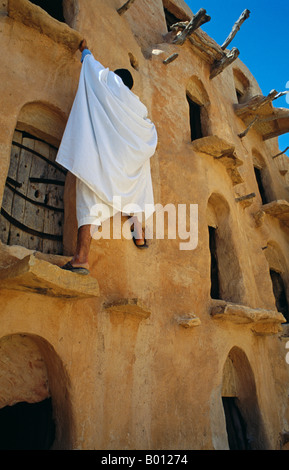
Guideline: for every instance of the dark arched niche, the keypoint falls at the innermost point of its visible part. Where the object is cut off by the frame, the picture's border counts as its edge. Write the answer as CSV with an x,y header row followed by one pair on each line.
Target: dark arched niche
x,y
245,428
34,391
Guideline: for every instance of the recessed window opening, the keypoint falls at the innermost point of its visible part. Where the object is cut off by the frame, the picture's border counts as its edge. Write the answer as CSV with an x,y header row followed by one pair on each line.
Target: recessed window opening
x,y
174,14
239,95
199,105
235,425
242,86
215,281
32,212
195,114
27,426
280,293
52,7
171,19
226,277
133,61
259,179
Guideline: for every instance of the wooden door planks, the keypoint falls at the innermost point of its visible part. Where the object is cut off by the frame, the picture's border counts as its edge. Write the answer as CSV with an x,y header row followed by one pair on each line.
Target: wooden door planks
x,y
33,197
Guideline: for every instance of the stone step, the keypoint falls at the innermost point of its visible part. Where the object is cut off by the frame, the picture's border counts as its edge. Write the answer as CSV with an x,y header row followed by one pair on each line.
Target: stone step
x,y
34,275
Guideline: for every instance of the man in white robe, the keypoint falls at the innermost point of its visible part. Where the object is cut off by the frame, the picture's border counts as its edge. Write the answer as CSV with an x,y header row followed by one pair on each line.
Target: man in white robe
x,y
107,144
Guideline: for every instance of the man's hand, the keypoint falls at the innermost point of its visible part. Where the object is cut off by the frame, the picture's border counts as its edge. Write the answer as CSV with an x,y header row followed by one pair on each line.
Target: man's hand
x,y
83,45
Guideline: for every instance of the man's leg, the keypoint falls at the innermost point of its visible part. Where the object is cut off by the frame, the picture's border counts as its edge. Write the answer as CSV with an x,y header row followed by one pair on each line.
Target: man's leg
x,y
80,258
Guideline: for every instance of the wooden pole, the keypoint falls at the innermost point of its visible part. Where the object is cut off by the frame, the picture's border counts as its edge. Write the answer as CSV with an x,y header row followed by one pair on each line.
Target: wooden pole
x,y
243,134
125,7
244,198
200,18
171,58
221,64
281,153
236,27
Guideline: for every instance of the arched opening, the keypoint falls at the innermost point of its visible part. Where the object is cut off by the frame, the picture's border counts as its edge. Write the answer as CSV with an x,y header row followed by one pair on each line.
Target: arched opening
x,y
242,86
54,9
32,212
279,277
35,410
27,426
244,424
279,293
215,279
198,102
261,176
226,275
173,13
64,11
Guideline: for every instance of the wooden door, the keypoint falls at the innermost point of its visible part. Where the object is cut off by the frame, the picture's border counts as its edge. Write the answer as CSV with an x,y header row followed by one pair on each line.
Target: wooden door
x,y
32,208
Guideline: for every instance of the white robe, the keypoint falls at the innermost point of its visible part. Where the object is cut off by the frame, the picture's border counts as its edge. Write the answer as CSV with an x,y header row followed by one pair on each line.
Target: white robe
x,y
108,139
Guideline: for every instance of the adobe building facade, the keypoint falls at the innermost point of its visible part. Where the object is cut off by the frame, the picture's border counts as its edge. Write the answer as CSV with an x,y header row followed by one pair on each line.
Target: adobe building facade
x,y
165,348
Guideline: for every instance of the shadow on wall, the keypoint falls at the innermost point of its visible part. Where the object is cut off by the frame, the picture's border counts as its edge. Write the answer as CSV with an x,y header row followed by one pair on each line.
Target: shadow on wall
x,y
35,409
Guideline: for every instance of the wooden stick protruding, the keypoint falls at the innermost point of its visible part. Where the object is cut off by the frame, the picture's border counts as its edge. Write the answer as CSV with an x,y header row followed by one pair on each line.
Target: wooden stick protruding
x,y
236,27
200,18
256,103
245,132
171,58
125,7
219,65
244,198
281,153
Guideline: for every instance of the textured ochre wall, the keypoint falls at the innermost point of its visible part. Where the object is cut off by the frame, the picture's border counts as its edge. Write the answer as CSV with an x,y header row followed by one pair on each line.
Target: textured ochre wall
x,y
128,381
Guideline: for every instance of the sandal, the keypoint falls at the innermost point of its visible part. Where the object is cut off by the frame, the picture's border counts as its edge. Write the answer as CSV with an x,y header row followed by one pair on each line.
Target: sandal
x,y
140,246
79,270
134,240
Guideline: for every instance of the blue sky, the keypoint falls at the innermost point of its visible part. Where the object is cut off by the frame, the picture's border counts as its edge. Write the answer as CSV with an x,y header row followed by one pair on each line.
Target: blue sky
x,y
262,40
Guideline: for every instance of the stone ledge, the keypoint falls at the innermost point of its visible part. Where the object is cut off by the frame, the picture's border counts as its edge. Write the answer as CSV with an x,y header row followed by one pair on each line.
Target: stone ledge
x,y
40,277
263,322
35,17
278,209
222,151
189,321
131,306
260,113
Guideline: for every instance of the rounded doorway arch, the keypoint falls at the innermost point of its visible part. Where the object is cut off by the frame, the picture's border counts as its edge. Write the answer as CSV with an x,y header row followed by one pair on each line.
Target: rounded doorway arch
x,y
35,408
244,423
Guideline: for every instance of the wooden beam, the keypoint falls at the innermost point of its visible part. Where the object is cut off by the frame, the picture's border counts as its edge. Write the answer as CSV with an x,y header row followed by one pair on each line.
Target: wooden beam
x,y
245,132
281,153
282,93
125,7
236,27
181,25
219,65
200,18
244,198
206,46
171,58
256,103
